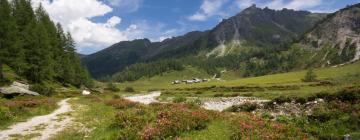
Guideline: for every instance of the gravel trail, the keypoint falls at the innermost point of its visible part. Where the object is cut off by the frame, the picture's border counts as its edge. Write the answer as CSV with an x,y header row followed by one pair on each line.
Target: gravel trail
x,y
40,127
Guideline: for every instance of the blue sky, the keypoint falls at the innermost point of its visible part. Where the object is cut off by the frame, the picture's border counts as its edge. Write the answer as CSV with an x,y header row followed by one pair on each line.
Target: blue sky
x,y
97,24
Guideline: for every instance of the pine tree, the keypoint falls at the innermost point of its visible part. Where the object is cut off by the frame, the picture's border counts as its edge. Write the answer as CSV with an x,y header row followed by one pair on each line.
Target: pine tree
x,y
5,11
8,41
36,48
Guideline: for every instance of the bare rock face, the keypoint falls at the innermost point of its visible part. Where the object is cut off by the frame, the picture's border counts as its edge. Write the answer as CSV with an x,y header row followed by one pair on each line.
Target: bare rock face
x,y
17,88
337,38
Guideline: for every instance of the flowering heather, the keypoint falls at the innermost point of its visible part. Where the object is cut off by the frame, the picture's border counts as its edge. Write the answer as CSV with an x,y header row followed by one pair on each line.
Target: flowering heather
x,y
247,126
174,121
121,103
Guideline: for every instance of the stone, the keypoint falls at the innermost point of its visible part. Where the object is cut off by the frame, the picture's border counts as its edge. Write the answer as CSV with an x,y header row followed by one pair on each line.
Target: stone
x,y
85,92
18,88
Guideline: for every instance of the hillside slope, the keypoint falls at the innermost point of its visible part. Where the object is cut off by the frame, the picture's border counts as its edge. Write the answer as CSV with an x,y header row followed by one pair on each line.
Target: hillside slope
x,y
336,38
253,27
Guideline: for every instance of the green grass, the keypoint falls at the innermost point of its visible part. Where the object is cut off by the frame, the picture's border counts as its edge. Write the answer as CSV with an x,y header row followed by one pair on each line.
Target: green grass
x,y
22,108
217,130
93,115
339,75
164,82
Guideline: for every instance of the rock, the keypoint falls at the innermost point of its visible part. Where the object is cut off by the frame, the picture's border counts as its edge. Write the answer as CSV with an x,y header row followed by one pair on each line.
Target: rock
x,y
85,92
18,88
320,100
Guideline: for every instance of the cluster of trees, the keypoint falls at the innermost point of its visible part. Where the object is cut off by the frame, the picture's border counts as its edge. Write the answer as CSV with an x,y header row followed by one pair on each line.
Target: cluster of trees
x,y
251,61
37,48
139,70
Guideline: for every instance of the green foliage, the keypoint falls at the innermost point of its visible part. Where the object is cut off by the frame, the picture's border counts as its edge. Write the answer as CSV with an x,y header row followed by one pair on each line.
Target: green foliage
x,y
129,89
310,76
22,108
36,48
5,113
137,71
247,107
248,126
180,99
43,89
112,87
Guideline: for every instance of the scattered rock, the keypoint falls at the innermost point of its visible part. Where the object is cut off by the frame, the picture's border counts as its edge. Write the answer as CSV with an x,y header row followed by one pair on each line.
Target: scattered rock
x,y
220,104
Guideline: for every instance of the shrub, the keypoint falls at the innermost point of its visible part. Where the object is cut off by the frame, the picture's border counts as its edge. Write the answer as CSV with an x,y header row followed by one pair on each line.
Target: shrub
x,y
247,107
112,87
179,99
5,113
198,92
310,76
350,95
247,94
121,103
43,89
129,89
116,96
128,119
175,121
281,99
219,95
248,126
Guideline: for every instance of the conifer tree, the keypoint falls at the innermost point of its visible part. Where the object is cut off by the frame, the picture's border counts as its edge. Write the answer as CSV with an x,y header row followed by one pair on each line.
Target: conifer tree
x,y
9,48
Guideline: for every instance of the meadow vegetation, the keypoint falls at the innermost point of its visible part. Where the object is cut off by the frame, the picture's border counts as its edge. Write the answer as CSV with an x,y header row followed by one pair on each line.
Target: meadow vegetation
x,y
21,108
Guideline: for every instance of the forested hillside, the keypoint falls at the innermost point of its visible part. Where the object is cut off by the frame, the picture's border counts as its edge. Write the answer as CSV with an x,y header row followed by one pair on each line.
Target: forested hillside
x,y
36,48
331,41
253,33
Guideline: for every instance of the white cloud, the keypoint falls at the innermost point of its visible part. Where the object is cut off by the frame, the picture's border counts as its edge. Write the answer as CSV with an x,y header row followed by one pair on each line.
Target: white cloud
x,y
127,5
208,9
75,15
241,4
294,4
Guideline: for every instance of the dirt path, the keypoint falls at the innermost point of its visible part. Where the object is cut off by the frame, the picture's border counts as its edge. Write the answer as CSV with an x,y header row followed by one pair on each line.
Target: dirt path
x,y
41,127
145,99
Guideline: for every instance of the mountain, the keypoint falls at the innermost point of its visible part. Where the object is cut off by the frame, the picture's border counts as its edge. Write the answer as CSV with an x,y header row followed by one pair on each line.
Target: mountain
x,y
115,58
264,27
254,27
337,38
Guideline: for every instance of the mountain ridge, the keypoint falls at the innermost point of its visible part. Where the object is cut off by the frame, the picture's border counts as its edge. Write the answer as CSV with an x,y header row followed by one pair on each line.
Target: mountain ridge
x,y
247,29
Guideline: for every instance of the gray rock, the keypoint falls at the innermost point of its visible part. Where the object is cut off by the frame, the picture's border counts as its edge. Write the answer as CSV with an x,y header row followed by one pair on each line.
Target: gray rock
x,y
18,88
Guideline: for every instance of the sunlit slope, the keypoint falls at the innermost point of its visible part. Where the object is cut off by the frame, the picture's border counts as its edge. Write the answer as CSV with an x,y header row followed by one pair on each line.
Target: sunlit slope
x,y
164,81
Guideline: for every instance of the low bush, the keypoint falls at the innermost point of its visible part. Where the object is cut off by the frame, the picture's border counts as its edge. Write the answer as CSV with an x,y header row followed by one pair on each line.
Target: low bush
x,y
247,126
129,89
219,95
5,113
180,99
20,108
175,121
43,89
121,103
233,95
247,107
112,87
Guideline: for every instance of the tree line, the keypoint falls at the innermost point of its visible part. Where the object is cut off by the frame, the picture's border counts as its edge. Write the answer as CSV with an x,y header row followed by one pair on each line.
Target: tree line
x,y
36,48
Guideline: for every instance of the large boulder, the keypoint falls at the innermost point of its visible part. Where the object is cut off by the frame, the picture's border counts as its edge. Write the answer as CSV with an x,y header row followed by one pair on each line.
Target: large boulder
x,y
17,88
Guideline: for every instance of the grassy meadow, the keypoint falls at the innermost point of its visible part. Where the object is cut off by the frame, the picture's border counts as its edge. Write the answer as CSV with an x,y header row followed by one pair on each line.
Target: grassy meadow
x,y
268,86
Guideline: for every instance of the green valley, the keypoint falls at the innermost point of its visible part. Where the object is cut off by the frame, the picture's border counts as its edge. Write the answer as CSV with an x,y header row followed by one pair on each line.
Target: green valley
x,y
266,73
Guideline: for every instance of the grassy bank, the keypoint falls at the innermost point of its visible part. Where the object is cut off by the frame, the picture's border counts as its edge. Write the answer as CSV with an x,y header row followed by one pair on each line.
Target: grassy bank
x,y
22,108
